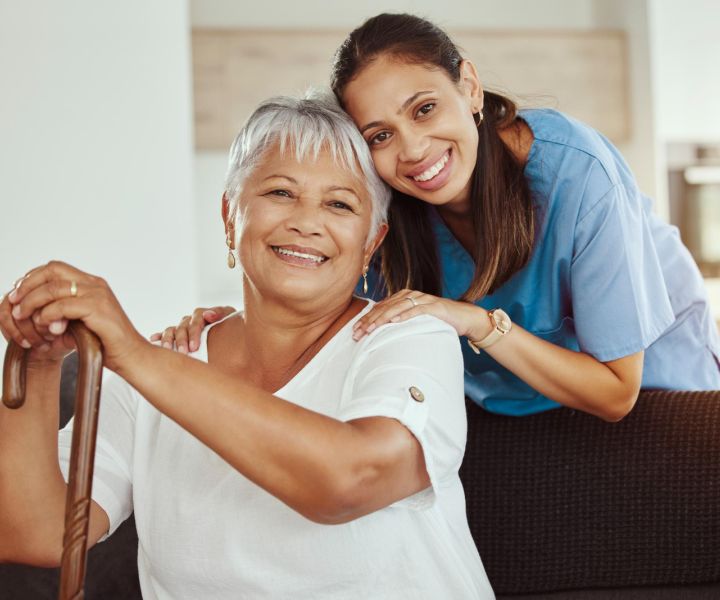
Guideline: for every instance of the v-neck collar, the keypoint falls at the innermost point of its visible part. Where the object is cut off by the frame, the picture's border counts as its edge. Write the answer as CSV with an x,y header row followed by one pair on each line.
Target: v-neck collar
x,y
344,332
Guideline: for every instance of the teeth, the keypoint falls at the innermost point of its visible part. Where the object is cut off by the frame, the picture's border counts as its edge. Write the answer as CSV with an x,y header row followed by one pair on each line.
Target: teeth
x,y
286,252
434,170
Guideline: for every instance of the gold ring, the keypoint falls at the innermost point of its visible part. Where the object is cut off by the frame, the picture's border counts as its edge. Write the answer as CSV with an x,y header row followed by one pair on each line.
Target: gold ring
x,y
73,289
411,300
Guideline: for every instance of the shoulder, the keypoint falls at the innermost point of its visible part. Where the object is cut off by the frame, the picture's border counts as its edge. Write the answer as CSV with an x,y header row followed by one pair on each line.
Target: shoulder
x,y
557,135
423,352
419,337
572,159
422,326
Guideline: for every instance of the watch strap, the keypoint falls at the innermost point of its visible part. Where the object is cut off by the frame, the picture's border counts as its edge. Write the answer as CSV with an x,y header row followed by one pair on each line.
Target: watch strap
x,y
490,338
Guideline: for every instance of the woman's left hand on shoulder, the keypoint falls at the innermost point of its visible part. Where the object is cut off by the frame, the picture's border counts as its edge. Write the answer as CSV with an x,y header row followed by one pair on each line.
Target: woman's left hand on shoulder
x,y
57,292
464,317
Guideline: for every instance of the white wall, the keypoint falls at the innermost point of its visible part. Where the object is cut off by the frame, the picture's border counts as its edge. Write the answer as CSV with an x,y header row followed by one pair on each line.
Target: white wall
x,y
217,284
641,150
531,14
685,42
96,147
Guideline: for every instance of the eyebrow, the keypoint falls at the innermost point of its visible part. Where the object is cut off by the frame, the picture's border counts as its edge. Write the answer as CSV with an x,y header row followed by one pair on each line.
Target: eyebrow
x,y
340,188
404,107
290,179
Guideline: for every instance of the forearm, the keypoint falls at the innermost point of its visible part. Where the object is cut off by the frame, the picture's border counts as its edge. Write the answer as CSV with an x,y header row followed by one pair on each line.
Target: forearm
x,y
305,459
32,489
574,379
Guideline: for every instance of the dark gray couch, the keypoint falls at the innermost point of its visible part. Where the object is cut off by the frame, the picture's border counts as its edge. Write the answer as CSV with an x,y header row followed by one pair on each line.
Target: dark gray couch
x,y
562,507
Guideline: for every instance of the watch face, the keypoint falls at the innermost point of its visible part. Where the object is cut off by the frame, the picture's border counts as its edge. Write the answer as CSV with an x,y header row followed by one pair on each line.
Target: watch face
x,y
502,320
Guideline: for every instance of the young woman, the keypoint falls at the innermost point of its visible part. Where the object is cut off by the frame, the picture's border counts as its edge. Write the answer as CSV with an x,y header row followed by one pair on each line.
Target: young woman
x,y
525,230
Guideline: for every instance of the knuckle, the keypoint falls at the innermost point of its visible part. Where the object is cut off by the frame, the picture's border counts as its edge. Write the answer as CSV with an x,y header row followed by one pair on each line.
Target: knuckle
x,y
54,267
96,281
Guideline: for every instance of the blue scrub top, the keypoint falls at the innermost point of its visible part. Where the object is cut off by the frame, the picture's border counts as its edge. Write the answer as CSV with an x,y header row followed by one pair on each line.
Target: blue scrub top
x,y
606,276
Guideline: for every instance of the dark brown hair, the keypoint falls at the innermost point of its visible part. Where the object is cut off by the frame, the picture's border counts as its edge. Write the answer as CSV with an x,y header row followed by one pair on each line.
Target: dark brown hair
x,y
502,211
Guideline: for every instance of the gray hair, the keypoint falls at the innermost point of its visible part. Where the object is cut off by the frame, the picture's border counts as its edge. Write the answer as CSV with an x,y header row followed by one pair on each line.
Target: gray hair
x,y
306,126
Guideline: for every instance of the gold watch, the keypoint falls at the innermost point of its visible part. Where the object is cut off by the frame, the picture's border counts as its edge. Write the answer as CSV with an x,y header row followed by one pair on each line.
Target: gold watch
x,y
503,325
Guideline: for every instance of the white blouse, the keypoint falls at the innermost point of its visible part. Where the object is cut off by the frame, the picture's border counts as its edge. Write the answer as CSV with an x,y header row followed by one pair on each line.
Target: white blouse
x,y
207,532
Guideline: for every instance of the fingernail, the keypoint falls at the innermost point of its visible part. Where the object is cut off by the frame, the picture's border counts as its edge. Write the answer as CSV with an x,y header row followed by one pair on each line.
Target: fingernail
x,y
356,336
193,346
45,348
56,327
25,344
209,313
370,328
395,319
167,345
182,349
12,296
16,312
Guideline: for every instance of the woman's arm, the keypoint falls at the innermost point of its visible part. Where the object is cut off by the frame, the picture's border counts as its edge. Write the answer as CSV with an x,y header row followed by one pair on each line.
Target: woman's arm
x,y
32,488
577,380
328,470
574,379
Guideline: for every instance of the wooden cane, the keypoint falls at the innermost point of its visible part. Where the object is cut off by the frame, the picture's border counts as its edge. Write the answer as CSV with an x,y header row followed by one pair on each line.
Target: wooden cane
x,y
82,454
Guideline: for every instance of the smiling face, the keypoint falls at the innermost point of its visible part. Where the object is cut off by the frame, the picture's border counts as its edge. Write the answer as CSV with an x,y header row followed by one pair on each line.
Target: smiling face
x,y
420,127
302,229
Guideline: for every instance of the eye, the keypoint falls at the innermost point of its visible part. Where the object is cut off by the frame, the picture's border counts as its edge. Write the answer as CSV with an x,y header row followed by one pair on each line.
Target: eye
x,y
282,193
425,109
339,204
379,138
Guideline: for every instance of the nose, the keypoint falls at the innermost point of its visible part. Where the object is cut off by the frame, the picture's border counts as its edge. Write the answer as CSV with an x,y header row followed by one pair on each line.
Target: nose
x,y
414,145
305,219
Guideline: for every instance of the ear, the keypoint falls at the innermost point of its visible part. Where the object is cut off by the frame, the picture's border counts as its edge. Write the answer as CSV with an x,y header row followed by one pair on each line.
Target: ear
x,y
375,243
470,84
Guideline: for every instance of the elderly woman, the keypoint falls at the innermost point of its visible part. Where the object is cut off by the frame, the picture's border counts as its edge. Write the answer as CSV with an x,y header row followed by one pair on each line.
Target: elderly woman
x,y
289,461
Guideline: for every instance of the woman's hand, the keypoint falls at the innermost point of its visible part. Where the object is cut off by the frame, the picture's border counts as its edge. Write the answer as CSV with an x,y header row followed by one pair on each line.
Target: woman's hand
x,y
45,348
51,295
186,335
467,319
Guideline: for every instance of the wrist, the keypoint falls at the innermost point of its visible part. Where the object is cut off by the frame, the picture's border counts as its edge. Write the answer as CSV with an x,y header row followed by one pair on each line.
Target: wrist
x,y
131,359
501,326
42,364
481,327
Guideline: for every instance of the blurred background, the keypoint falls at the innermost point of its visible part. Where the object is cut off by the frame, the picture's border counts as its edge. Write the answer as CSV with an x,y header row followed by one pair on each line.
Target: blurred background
x,y
116,117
